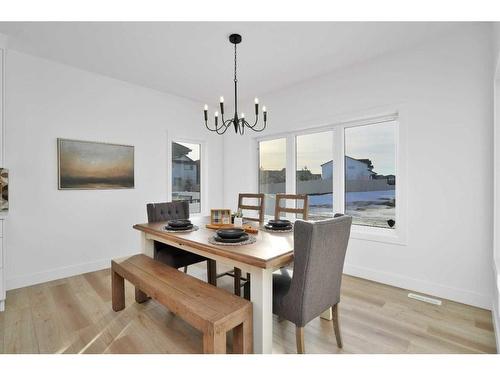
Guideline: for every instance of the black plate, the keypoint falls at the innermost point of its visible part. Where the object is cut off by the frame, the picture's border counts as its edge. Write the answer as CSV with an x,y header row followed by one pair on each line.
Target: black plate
x,y
179,223
279,223
267,226
168,227
231,240
230,233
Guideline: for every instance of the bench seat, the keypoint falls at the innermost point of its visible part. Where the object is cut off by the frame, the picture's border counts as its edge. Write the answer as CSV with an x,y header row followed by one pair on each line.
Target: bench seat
x,y
211,310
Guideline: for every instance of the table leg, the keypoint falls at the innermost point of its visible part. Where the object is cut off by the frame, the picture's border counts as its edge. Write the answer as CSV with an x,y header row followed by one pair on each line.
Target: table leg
x,y
261,292
147,245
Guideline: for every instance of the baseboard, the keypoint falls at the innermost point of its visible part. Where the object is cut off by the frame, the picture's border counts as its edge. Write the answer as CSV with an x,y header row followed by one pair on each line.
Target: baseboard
x,y
421,286
55,274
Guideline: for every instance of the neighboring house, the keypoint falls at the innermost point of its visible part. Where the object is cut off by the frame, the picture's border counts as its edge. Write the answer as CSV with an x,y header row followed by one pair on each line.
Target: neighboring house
x,y
356,169
185,171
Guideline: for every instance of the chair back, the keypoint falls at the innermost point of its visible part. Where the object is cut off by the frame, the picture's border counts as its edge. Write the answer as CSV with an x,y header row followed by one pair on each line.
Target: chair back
x,y
298,197
319,253
259,208
167,211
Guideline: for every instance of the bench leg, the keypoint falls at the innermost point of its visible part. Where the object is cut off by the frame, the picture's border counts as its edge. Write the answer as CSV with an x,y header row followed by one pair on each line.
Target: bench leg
x,y
140,296
214,342
117,291
242,338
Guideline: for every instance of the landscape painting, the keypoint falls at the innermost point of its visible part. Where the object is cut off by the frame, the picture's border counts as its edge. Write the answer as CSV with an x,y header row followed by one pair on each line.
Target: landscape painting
x,y
94,165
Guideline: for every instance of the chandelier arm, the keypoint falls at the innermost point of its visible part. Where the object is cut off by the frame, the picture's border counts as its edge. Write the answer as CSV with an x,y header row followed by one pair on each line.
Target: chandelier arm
x,y
254,125
224,125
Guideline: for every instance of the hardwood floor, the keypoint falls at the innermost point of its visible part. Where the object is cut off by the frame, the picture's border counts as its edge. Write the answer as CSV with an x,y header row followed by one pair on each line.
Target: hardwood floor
x,y
74,315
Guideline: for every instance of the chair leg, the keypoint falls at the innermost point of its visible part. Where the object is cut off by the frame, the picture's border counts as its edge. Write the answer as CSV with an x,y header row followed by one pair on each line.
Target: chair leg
x,y
246,288
185,269
237,281
299,336
117,292
336,325
212,272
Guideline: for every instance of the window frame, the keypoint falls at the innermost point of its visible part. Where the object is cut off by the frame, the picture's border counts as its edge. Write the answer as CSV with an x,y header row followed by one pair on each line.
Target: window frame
x,y
203,195
397,235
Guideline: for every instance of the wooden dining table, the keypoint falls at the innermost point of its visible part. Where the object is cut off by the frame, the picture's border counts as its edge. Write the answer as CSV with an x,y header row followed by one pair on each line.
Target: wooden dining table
x,y
260,259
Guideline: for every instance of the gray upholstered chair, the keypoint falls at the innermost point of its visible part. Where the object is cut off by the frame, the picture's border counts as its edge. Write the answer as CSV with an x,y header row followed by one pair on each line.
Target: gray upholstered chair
x,y
170,255
319,252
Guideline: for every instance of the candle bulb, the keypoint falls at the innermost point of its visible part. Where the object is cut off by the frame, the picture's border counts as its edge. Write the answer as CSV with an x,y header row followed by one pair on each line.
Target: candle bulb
x,y
242,117
205,112
256,106
222,105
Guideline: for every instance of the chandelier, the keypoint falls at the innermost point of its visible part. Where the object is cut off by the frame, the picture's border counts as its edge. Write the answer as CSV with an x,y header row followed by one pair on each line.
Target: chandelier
x,y
239,123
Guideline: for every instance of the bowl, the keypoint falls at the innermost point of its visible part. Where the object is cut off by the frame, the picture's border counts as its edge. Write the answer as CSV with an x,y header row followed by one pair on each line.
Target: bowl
x,y
179,223
230,233
279,223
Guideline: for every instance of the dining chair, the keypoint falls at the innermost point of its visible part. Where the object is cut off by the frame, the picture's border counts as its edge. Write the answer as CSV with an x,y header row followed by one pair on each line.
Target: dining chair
x,y
278,209
171,255
236,274
314,287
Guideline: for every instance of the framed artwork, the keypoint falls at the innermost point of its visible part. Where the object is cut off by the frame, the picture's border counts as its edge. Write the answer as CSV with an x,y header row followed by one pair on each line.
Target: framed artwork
x,y
93,165
220,216
4,189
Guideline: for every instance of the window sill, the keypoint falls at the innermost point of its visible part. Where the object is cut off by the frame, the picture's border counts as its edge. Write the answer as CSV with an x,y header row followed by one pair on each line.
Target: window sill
x,y
393,236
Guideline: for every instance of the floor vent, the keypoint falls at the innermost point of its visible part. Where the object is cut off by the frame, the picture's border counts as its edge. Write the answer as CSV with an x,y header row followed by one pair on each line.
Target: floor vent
x,y
433,301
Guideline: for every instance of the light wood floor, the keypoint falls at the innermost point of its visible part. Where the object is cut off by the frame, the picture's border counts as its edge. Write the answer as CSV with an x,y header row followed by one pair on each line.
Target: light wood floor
x,y
74,315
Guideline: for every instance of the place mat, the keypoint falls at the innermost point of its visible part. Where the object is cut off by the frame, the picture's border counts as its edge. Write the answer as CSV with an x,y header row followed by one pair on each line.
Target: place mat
x,y
277,230
251,240
193,229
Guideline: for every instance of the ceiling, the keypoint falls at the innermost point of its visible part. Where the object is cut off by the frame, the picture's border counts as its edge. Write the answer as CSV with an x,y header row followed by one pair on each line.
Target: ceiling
x,y
195,59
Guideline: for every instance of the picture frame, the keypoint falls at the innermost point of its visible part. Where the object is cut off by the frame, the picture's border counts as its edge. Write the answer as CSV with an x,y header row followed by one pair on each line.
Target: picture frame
x,y
90,165
220,216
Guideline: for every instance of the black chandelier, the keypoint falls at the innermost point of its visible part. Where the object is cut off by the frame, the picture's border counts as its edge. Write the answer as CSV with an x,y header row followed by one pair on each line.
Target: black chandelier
x,y
239,123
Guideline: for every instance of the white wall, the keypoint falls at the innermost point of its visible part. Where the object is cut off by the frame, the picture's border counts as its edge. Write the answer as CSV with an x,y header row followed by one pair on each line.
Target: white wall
x,y
444,86
53,233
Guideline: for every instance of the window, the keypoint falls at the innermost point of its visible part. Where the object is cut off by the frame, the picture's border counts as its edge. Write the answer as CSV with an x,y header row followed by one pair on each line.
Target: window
x,y
348,168
272,171
314,172
370,174
186,172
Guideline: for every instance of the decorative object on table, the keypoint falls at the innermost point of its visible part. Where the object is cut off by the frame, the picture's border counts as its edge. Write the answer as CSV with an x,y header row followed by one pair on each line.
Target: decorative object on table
x,y
191,228
282,226
87,165
182,225
238,218
238,123
220,216
246,227
4,189
247,240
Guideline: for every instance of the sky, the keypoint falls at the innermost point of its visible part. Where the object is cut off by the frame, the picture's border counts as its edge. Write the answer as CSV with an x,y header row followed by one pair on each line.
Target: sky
x,y
375,142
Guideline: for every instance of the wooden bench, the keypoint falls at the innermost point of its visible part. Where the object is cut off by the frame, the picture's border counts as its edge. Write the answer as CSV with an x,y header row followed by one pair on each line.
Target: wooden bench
x,y
209,309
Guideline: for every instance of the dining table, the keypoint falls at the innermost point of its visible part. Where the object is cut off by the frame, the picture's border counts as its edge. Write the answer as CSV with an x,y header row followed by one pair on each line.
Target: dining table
x,y
270,252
